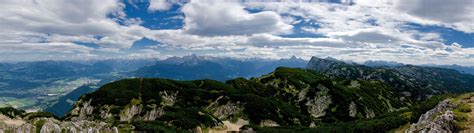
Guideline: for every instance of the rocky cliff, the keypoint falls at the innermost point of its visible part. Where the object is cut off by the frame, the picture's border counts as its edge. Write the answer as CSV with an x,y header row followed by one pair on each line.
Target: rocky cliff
x,y
438,119
410,81
39,122
453,114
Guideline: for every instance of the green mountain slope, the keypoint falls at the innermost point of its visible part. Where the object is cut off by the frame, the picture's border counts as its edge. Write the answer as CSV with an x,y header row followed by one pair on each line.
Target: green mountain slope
x,y
329,96
285,97
66,102
409,81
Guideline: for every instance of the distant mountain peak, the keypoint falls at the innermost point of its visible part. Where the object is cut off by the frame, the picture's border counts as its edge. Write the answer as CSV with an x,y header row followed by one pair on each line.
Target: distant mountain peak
x,y
382,63
410,78
293,57
188,59
320,64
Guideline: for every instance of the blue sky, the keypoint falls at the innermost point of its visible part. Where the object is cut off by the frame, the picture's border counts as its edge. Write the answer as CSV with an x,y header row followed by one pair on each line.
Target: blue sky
x,y
156,20
449,35
356,30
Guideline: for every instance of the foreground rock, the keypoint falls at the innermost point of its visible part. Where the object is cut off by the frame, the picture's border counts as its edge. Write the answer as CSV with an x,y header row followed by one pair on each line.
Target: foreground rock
x,y
18,124
438,119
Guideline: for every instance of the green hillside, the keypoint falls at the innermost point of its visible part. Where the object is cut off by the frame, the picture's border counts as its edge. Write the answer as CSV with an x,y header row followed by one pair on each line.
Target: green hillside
x,y
288,97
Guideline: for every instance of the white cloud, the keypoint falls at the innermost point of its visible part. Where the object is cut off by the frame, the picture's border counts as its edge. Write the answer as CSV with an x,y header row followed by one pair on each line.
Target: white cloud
x,y
61,21
372,29
367,30
365,35
457,14
159,5
217,18
266,40
179,38
25,48
125,38
66,38
60,17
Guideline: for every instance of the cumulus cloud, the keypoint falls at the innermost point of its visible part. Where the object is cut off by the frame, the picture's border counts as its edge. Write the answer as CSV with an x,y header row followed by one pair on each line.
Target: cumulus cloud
x,y
457,14
365,35
217,18
60,21
266,40
446,11
159,5
26,48
377,29
59,16
356,30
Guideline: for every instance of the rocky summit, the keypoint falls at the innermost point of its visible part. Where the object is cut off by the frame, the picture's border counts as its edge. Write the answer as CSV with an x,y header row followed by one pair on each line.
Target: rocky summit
x,y
409,81
18,121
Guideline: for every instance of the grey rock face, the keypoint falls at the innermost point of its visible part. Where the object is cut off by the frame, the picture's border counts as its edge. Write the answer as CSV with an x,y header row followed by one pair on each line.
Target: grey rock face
x,y
129,112
50,127
26,128
269,123
432,122
369,113
222,112
83,110
302,94
105,112
169,98
154,113
318,105
135,110
352,109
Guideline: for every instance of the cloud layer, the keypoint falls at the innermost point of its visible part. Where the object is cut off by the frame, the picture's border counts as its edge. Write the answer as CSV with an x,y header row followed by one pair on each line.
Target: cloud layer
x,y
458,14
214,18
354,30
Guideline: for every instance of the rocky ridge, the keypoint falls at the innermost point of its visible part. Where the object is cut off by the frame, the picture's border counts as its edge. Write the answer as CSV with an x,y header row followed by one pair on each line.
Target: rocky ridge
x,y
26,124
410,82
438,119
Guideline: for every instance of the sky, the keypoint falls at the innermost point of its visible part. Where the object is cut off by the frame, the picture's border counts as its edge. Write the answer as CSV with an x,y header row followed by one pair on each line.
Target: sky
x,y
406,31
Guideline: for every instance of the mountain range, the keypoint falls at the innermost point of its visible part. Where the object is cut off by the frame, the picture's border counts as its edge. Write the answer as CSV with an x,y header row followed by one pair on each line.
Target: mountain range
x,y
412,81
459,68
326,95
201,67
37,85
46,85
